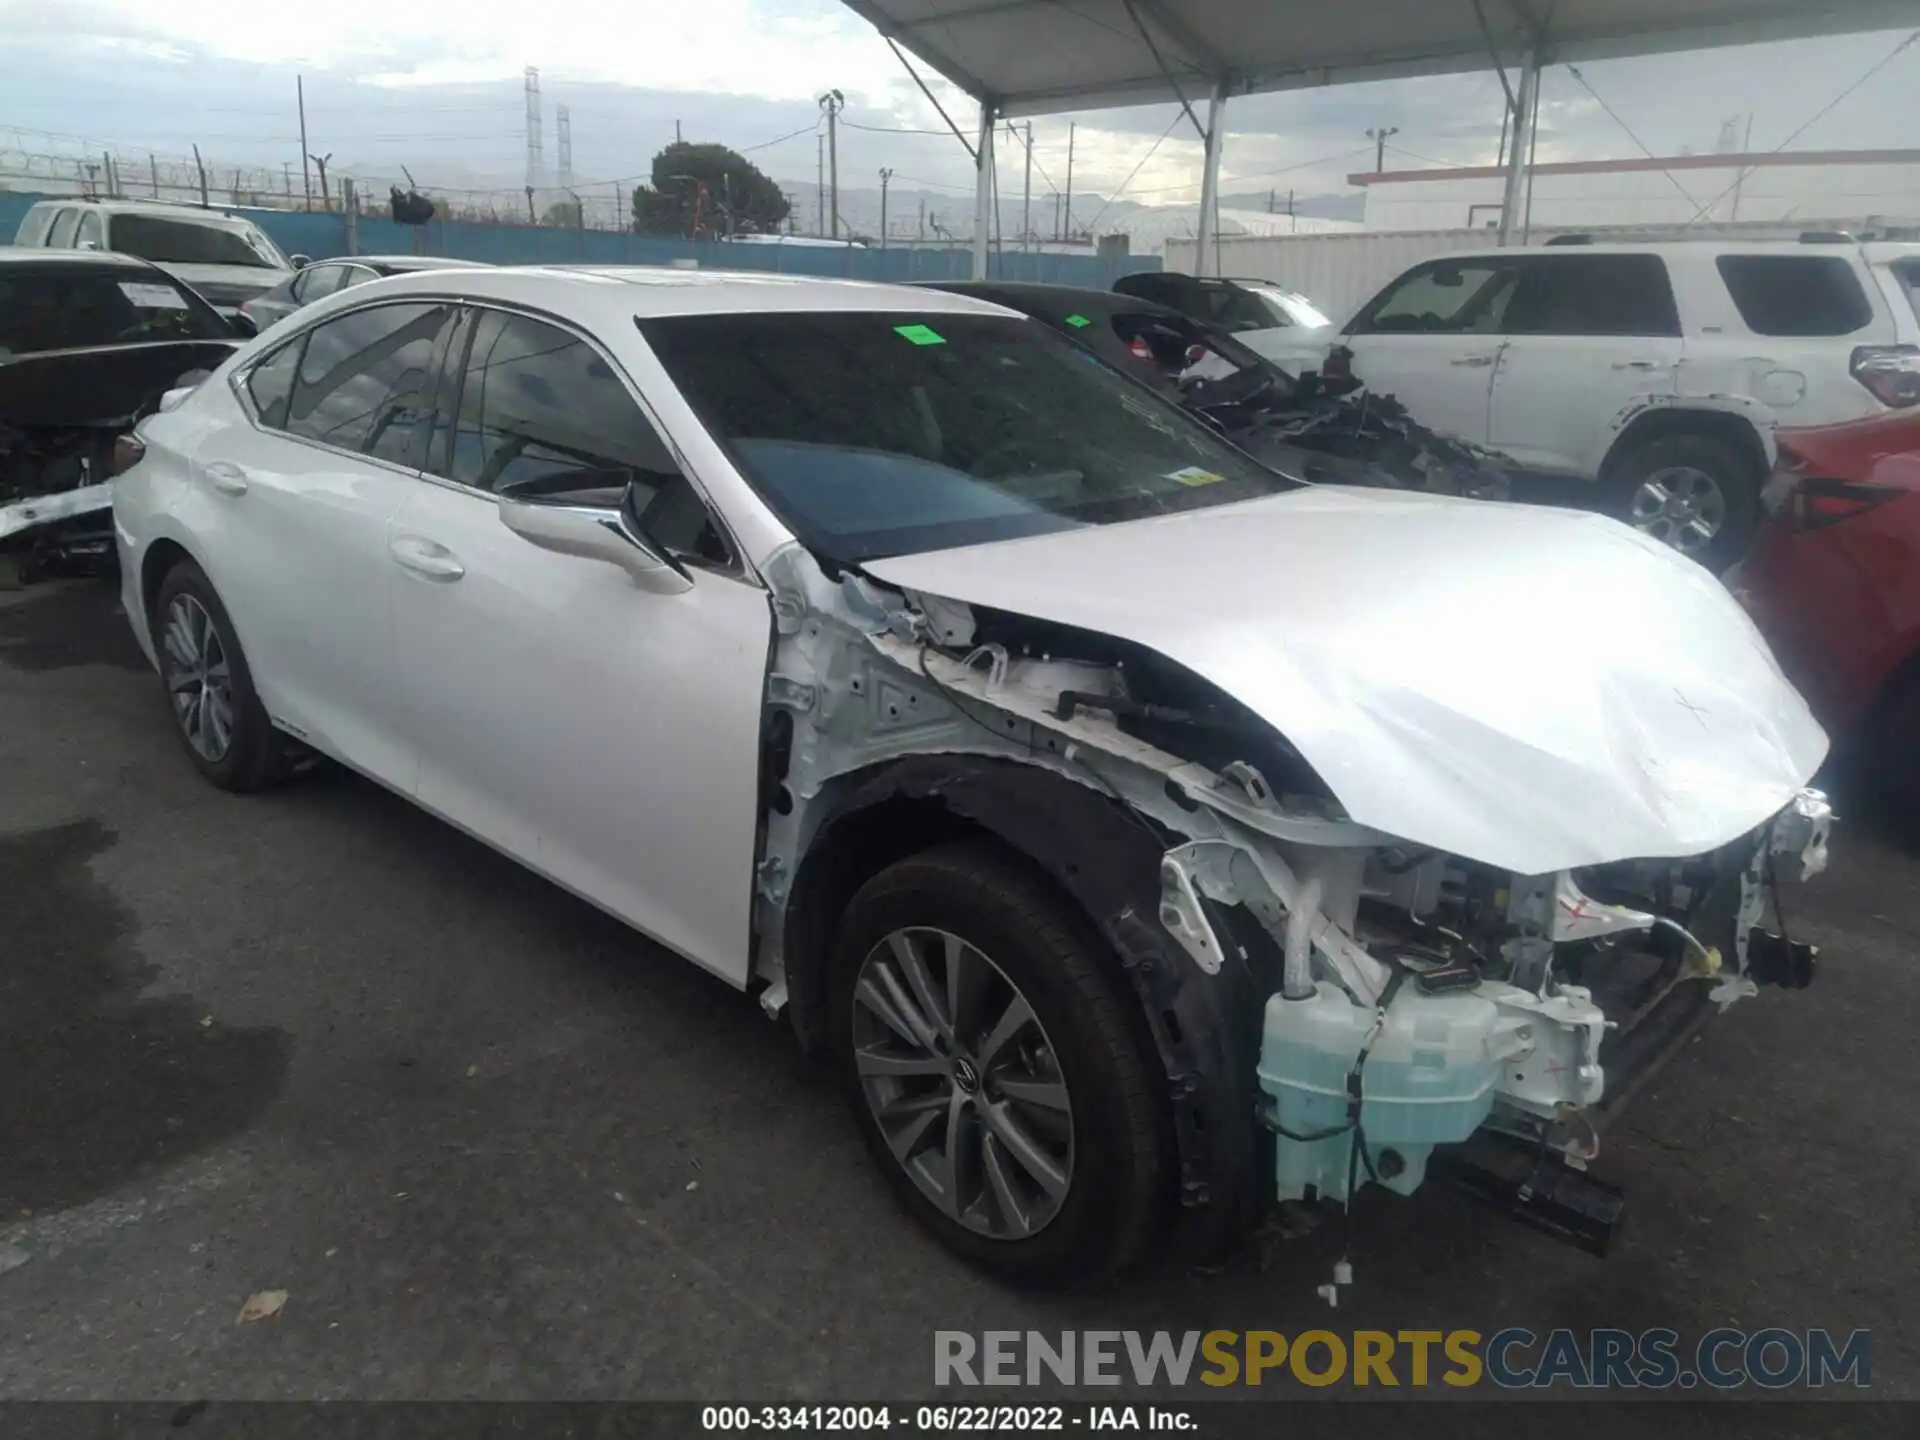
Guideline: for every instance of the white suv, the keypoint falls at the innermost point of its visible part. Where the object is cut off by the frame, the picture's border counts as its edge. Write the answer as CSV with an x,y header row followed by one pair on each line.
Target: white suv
x,y
1660,371
225,257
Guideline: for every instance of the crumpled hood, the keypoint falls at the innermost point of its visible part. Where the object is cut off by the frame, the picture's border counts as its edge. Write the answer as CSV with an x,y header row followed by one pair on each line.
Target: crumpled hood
x,y
1532,688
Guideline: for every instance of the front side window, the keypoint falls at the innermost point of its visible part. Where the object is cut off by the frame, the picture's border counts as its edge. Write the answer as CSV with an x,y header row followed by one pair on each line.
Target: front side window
x,y
875,434
1594,295
1447,297
182,242
1233,309
542,416
65,224
1797,296
51,306
366,381
91,232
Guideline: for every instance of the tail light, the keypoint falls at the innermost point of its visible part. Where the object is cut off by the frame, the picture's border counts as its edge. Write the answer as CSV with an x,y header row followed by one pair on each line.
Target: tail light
x,y
1891,372
127,453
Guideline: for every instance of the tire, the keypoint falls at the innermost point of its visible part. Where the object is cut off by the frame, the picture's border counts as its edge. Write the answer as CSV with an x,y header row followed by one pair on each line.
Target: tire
x,y
1117,1166
1721,481
254,755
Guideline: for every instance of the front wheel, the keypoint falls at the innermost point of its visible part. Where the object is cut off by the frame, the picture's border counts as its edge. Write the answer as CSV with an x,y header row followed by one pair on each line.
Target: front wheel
x,y
994,1069
1696,493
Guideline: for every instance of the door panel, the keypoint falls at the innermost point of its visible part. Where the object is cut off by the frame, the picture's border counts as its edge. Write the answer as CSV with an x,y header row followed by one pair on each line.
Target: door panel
x,y
606,735
1432,339
303,566
1587,336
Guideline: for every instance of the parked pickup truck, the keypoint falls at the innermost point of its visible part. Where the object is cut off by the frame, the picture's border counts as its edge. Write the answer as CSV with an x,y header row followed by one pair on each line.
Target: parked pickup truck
x,y
1659,371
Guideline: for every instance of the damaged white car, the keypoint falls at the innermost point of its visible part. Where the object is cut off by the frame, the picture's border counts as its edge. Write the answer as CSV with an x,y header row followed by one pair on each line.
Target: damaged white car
x,y
1146,837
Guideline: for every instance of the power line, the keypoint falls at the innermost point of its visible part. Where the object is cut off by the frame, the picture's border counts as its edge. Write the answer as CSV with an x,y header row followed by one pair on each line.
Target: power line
x,y
1685,194
780,140
895,129
1130,174
1821,114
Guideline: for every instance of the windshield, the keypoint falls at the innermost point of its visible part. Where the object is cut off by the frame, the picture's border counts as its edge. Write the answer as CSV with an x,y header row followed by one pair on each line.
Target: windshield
x,y
52,308
183,242
890,434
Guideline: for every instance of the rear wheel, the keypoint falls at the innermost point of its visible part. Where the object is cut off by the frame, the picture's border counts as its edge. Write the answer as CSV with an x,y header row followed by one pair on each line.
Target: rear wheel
x,y
994,1070
216,713
1697,493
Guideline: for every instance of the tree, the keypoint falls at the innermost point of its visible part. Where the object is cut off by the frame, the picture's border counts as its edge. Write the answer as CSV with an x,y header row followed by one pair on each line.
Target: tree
x,y
707,191
563,213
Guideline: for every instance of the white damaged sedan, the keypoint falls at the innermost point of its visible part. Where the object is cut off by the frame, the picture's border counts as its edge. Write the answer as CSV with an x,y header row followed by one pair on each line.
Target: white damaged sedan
x,y
1145,836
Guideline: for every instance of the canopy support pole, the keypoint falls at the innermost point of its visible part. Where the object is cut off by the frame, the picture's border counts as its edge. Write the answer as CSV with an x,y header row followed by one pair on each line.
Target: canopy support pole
x,y
983,190
1520,154
1205,261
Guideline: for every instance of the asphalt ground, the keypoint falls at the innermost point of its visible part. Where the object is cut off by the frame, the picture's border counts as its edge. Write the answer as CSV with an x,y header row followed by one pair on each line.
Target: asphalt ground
x,y
495,1146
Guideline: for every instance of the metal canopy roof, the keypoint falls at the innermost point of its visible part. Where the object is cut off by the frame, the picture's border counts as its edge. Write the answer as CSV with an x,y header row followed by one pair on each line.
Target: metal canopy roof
x,y
1032,57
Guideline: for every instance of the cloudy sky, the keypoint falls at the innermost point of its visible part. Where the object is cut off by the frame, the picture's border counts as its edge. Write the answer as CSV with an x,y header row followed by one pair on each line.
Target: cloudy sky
x,y
435,85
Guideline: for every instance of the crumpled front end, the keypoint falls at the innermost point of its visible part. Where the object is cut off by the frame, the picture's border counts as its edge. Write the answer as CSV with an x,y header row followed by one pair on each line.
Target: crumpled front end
x,y
1380,999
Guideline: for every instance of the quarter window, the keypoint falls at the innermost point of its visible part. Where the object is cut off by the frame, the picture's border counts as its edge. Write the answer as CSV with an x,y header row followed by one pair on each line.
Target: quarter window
x,y
1594,295
1799,296
366,381
270,385
1447,297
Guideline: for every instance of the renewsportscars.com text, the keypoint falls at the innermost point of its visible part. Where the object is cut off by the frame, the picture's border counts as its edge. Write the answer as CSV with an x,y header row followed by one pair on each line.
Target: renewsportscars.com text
x,y
1513,1359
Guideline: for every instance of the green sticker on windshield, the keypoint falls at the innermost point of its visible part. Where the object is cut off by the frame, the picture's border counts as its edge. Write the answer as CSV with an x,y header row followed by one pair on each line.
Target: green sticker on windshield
x,y
1079,322
920,334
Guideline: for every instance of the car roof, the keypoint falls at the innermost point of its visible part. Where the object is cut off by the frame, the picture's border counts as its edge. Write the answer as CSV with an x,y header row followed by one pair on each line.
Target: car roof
x,y
397,263
1665,247
1030,295
160,209
72,259
620,294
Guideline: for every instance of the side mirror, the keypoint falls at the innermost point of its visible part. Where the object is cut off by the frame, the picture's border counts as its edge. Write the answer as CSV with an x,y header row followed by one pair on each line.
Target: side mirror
x,y
301,262
594,533
243,324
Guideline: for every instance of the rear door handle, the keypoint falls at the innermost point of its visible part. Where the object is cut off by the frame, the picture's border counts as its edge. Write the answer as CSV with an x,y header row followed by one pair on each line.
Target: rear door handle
x,y
227,478
426,557
1479,362
1637,365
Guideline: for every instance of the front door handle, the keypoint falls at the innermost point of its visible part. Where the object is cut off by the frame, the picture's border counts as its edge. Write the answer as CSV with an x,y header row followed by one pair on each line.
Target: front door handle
x,y
1478,362
1637,365
226,477
426,557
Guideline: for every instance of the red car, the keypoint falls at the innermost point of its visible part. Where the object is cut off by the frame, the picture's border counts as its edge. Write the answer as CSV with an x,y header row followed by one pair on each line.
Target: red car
x,y
1834,583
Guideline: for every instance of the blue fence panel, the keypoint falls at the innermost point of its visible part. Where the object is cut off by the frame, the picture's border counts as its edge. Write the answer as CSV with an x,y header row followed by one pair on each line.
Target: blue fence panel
x,y
322,235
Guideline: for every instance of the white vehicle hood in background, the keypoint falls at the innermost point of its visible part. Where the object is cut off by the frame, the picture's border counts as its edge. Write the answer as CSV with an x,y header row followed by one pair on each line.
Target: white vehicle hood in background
x,y
1535,689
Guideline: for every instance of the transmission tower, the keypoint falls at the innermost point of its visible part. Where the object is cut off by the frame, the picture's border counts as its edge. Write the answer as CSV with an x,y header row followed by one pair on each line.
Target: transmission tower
x,y
563,145
535,165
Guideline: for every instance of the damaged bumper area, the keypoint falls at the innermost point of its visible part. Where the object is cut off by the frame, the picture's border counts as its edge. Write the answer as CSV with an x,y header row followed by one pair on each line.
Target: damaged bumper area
x,y
1424,998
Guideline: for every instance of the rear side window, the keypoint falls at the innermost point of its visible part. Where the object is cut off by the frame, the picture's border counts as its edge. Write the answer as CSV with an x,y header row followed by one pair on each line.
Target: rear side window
x,y
1594,295
1447,297
1234,309
1907,272
33,229
50,306
366,381
60,237
1796,295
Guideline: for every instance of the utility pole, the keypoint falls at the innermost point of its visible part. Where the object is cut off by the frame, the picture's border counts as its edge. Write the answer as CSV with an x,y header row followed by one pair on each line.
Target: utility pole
x,y
153,173
1380,138
1068,235
885,176
833,102
923,218
676,133
1270,198
306,176
201,167
319,163
820,185
1026,196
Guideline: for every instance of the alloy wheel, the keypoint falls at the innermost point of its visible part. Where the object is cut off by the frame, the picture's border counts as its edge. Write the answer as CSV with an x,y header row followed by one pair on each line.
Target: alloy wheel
x,y
199,678
1680,506
963,1082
